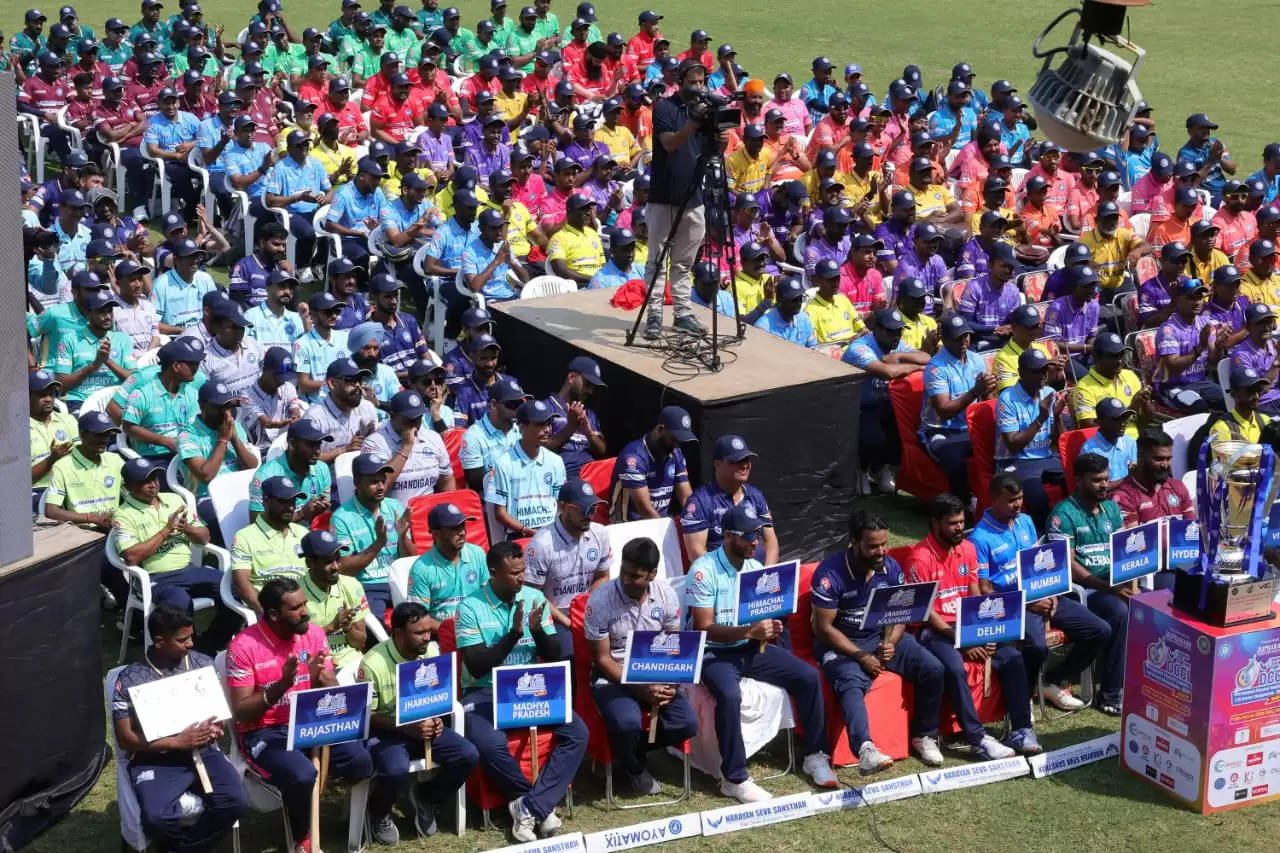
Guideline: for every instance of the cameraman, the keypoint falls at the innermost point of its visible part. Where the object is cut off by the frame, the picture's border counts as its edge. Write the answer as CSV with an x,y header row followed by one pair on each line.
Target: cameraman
x,y
677,125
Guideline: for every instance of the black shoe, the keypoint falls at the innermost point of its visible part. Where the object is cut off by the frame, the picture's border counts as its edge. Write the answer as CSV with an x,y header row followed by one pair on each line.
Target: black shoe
x,y
653,326
644,785
424,818
691,324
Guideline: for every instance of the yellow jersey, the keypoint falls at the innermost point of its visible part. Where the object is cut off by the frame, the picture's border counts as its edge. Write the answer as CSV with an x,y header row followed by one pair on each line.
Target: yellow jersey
x,y
835,321
915,331
1094,387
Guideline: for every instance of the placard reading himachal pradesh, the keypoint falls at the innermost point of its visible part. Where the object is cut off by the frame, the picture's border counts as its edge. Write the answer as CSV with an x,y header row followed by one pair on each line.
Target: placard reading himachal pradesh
x,y
898,605
425,688
994,618
767,593
533,694
659,657
1045,570
328,715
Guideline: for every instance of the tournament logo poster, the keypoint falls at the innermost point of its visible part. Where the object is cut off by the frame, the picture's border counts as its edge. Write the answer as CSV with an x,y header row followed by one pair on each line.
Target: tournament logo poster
x,y
1246,690
1168,671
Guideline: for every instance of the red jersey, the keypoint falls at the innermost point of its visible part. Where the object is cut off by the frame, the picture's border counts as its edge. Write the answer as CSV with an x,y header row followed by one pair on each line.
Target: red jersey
x,y
100,71
263,111
704,58
640,48
598,86
201,107
144,96
255,658
953,568
375,87
1060,185
80,113
571,54
398,119
630,69
545,86
1170,499
350,121
474,85
316,93
1238,230
40,94
124,113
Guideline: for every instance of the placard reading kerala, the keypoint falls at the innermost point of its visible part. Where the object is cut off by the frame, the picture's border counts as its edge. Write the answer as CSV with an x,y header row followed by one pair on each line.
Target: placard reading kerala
x,y
661,657
425,688
169,705
328,715
1184,543
533,694
898,605
994,618
1135,552
1045,570
767,593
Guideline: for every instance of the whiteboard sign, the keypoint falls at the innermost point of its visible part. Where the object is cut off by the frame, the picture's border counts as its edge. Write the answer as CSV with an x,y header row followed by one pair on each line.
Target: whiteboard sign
x,y
168,705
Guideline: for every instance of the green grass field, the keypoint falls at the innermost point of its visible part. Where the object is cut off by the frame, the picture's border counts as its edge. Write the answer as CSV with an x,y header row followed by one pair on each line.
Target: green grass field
x,y
1190,69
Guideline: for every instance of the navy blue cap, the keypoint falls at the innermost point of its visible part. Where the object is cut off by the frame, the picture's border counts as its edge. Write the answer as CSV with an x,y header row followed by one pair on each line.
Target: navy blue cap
x,y
370,464
408,404
98,423
464,197
38,380
217,394
889,318
912,287
229,309
866,240
101,249
1109,178
534,412
836,215
282,489
1200,120
579,493
278,360
1002,251
1185,195
826,268
1246,377
1033,358
746,201
306,429
732,448
323,301
505,389
1027,316
1186,284
425,367
954,326
1229,274
319,543
676,421
1036,182
1110,407
1083,274
1268,213
752,250
182,349
128,269
1204,226
589,368
140,470
993,217
1185,169
185,248
345,368
620,237
903,198
384,283
475,317
743,520
484,340
447,515
1260,249
1108,209
490,218
1257,312
578,201
1076,254
96,300
926,231
789,288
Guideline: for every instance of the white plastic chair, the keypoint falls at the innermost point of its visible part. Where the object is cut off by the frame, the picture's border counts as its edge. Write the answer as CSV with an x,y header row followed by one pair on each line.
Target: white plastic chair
x,y
196,163
148,358
662,531
173,475
1141,224
547,285
1125,201
1224,380
75,137
1181,430
29,126
398,580
131,831
1057,258
374,243
98,400
140,587
343,478
291,242
249,221
163,189
229,493
322,233
116,171
278,445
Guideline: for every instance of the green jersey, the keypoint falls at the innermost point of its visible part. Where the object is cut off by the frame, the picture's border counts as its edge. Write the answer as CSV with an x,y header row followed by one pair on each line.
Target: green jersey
x,y
142,376
484,619
137,522
61,429
1089,532
520,43
81,485
323,607
151,406
340,32
75,351
117,56
378,667
403,44
593,34
266,553
61,319
547,27
441,585
180,63
355,526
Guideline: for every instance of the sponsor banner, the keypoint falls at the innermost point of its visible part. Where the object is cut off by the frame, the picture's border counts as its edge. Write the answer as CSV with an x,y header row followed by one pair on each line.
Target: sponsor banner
x,y
972,775
752,815
1078,755
994,618
328,715
644,834
767,593
1135,552
1044,570
425,688
659,657
535,694
898,605
573,843
868,795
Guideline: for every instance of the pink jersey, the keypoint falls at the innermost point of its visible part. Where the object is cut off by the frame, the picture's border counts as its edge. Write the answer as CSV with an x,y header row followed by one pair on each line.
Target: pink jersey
x,y
1060,185
1153,197
531,193
1237,230
795,115
256,658
866,292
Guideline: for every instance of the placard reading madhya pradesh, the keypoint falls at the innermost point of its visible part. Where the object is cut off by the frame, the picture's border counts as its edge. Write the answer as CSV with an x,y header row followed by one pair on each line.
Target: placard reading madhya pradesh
x,y
768,592
659,657
533,694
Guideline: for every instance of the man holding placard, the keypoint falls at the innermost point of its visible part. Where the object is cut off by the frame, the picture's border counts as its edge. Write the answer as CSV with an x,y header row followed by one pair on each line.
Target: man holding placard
x,y
1003,533
1088,519
736,651
636,600
944,556
282,654
335,601
568,557
701,521
451,570
162,770
851,655
394,746
1151,492
268,548
502,623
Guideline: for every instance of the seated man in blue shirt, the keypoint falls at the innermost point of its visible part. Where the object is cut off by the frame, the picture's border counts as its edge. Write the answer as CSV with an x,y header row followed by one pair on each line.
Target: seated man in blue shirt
x,y
954,379
788,319
1027,426
738,651
1110,441
851,657
999,535
492,434
355,210
443,258
621,265
299,184
707,289
487,261
169,137
702,519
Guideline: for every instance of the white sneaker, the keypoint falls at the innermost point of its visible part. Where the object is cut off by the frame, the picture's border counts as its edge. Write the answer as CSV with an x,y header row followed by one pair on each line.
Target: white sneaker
x,y
885,481
990,749
872,760
1061,698
306,277
745,791
864,483
927,750
818,768
522,822
550,825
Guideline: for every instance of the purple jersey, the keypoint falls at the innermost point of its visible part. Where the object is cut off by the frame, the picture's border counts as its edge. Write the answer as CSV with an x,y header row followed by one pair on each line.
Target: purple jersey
x,y
1153,296
973,259
585,155
1232,315
987,305
1058,284
1071,324
896,237
820,249
437,152
1260,358
1177,337
487,162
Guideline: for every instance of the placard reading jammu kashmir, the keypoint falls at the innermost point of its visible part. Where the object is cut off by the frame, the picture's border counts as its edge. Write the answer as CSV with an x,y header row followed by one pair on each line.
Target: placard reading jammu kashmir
x,y
533,694
659,657
329,715
425,688
898,605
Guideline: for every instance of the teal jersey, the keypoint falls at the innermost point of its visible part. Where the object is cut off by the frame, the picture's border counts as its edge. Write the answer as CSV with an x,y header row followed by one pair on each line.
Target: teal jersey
x,y
196,442
713,582
150,405
316,484
440,585
1089,532
484,619
74,351
354,526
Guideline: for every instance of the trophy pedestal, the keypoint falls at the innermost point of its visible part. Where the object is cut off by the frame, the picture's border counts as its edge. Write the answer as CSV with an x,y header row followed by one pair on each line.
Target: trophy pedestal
x,y
1233,599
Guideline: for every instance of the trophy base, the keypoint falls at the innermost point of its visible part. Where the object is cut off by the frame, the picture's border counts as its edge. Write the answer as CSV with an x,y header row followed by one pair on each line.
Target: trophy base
x,y
1233,599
